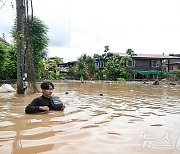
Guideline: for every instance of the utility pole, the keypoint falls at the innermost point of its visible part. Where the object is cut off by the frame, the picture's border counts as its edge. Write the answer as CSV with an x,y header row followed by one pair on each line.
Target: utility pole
x,y
20,9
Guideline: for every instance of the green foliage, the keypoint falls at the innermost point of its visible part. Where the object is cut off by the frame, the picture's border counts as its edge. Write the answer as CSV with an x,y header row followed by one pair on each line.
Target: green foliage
x,y
39,38
80,68
51,70
121,79
91,68
38,31
130,52
96,56
2,53
71,72
56,59
54,75
8,70
178,74
100,75
39,68
106,48
163,75
85,67
115,68
7,62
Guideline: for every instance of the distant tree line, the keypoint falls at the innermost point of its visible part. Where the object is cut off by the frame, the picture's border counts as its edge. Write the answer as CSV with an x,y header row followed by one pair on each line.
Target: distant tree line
x,y
114,68
44,67
47,68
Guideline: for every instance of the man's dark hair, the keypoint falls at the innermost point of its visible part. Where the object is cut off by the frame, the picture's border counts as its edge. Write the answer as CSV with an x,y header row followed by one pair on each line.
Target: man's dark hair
x,y
46,84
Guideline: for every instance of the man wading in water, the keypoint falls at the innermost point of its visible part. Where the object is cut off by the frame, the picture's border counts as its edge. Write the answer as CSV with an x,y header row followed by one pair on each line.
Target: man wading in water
x,y
46,102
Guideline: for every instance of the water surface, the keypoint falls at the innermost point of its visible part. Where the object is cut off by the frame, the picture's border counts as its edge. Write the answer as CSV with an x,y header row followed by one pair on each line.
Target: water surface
x,y
99,118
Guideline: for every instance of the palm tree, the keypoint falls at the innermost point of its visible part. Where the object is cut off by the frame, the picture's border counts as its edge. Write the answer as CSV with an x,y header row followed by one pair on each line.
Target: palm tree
x,y
91,67
81,68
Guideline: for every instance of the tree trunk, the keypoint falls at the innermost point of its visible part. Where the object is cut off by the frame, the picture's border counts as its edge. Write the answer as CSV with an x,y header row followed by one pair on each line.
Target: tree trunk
x,y
20,46
29,61
31,76
24,49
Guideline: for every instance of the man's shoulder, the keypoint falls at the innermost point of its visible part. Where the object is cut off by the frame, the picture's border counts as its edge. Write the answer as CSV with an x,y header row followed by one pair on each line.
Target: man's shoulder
x,y
38,98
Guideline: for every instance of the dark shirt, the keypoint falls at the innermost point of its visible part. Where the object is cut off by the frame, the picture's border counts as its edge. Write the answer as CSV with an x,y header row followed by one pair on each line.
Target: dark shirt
x,y
33,107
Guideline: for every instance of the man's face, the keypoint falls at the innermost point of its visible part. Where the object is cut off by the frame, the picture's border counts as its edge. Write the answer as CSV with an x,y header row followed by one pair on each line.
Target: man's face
x,y
47,92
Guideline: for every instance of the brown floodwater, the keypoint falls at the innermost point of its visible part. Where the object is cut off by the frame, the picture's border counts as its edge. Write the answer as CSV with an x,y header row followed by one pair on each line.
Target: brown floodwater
x,y
99,118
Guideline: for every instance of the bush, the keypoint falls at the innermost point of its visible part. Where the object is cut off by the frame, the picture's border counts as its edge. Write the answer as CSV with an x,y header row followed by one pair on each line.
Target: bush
x,y
120,79
178,74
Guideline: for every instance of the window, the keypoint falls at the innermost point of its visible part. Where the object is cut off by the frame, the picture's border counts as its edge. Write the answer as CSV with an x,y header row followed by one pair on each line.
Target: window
x,y
130,63
171,67
178,67
100,64
155,63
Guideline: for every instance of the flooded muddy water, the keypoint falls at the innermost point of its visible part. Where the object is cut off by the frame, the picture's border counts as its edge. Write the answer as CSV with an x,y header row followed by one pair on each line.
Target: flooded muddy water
x,y
99,118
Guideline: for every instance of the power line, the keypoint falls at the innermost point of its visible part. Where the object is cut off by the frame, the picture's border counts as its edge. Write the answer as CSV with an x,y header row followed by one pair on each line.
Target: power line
x,y
3,4
69,18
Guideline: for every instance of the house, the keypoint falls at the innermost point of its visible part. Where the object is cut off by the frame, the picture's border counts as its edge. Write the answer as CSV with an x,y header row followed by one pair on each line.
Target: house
x,y
100,63
174,64
4,41
142,65
64,67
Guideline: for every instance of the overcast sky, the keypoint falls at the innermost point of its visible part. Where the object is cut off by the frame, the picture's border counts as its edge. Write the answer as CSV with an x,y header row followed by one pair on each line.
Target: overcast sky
x,y
86,26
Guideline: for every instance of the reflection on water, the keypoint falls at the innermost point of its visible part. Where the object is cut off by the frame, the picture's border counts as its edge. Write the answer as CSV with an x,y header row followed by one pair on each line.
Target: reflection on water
x,y
99,118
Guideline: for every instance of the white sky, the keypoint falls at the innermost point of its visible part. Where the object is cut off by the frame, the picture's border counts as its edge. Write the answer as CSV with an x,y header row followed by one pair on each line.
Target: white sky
x,y
86,26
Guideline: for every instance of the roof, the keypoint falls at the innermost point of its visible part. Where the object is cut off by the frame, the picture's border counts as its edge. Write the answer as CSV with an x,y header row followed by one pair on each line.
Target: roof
x,y
173,61
146,72
67,64
150,56
4,41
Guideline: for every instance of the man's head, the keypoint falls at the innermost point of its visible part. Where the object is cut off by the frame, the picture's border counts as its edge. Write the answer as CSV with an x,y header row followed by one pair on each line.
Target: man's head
x,y
47,88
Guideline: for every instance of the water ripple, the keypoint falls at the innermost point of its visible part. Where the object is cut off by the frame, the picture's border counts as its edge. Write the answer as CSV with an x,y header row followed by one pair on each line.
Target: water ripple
x,y
113,122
